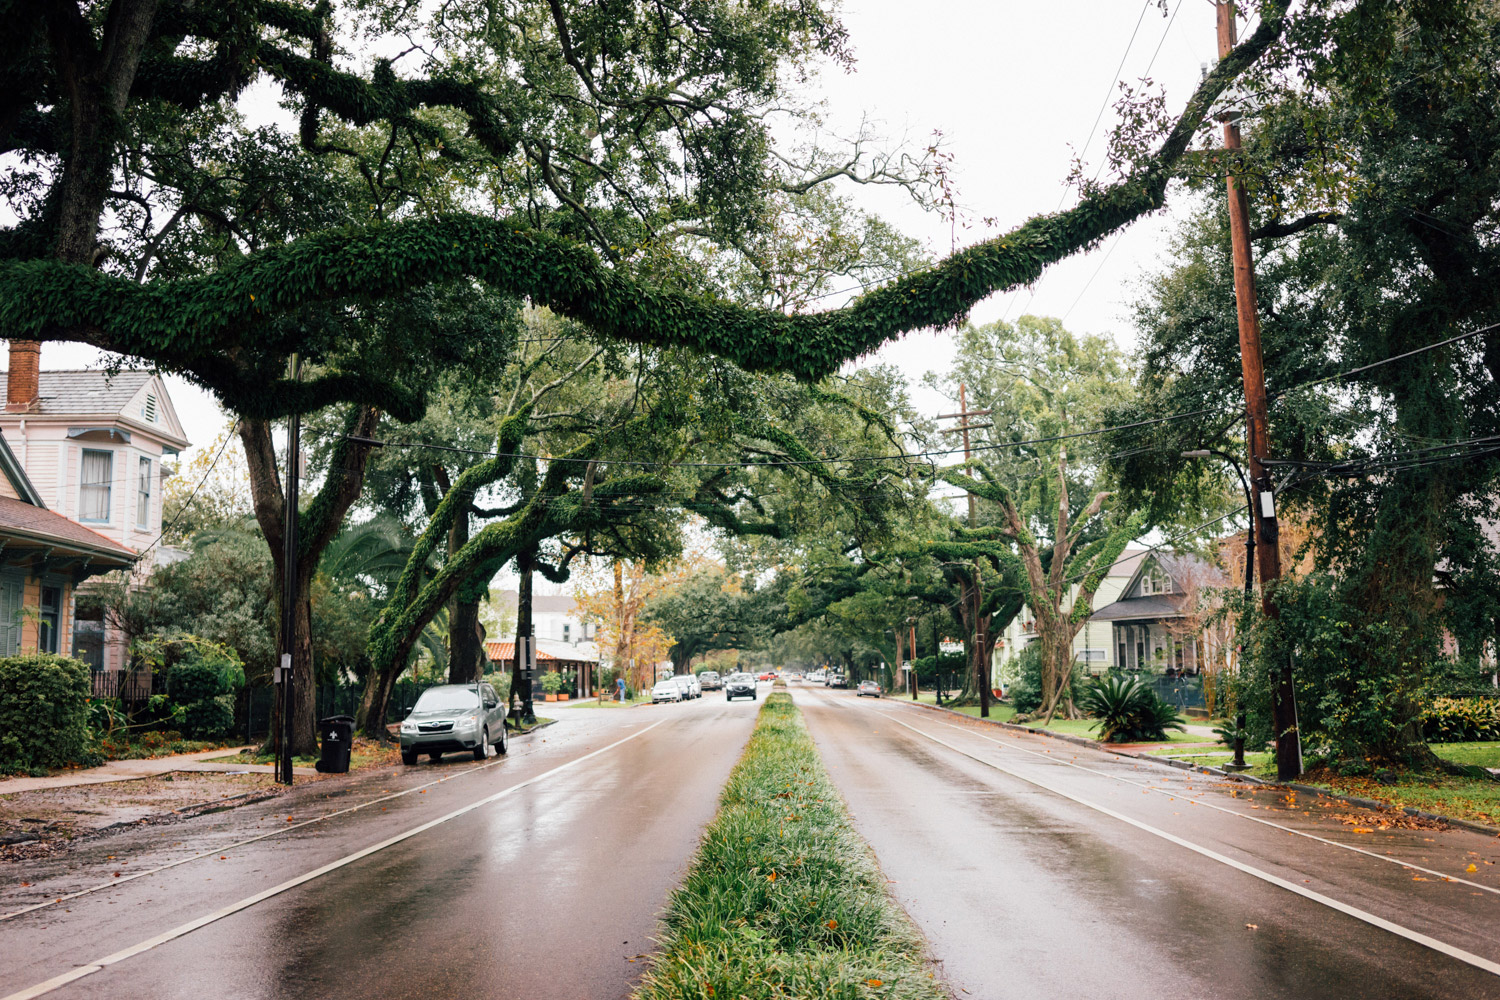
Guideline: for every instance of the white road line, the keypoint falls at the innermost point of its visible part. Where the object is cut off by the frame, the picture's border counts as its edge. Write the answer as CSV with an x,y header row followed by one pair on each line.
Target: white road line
x,y
1442,947
56,982
1052,758
251,840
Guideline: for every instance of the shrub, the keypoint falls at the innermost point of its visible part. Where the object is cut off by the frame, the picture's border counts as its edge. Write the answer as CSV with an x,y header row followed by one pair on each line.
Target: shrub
x,y
201,679
1128,710
44,713
1462,720
552,682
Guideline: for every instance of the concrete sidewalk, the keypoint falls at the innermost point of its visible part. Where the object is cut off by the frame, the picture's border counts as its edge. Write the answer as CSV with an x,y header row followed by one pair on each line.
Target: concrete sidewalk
x,y
130,770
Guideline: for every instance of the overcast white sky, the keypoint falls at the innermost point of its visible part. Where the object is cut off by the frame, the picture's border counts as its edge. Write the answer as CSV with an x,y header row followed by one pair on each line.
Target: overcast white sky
x,y
1010,85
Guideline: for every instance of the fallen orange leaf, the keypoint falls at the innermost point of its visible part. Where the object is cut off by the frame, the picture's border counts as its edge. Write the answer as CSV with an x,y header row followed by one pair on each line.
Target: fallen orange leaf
x,y
873,983
832,924
771,877
1472,868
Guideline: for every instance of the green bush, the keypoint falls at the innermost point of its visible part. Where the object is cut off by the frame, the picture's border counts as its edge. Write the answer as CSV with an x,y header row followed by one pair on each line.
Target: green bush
x,y
1128,710
1462,720
201,679
44,713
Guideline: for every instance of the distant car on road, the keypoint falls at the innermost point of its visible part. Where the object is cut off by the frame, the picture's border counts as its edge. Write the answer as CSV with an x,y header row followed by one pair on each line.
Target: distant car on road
x,y
836,681
739,686
868,688
689,685
453,717
766,675
816,677
710,680
666,690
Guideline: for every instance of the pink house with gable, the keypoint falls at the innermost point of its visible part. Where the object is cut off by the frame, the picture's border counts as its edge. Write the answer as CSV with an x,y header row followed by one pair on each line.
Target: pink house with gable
x,y
93,445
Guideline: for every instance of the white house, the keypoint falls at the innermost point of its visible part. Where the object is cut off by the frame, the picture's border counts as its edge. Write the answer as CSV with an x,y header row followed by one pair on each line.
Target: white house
x,y
93,443
1140,613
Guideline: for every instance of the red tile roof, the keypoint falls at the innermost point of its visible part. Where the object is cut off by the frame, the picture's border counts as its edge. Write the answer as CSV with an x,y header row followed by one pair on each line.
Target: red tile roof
x,y
497,651
40,524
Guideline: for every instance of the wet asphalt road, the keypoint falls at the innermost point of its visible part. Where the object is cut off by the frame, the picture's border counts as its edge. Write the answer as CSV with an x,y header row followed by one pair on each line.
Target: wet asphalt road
x,y
546,887
996,844
1034,867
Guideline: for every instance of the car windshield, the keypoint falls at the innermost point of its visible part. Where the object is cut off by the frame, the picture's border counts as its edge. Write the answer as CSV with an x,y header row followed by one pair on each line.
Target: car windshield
x,y
742,677
446,699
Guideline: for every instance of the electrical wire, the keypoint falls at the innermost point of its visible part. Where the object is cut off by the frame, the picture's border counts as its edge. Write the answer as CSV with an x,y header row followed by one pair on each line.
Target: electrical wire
x,y
194,495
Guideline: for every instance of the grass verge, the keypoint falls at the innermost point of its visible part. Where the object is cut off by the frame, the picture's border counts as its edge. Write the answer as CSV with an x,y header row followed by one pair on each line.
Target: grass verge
x,y
784,898
1475,799
1073,727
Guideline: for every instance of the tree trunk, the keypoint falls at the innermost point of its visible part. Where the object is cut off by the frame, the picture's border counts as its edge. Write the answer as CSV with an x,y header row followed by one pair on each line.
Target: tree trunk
x,y
96,81
465,647
343,486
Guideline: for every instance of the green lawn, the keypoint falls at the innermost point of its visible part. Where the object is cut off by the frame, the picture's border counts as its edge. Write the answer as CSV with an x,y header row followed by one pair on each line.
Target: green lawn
x,y
1476,799
1073,727
784,898
1477,754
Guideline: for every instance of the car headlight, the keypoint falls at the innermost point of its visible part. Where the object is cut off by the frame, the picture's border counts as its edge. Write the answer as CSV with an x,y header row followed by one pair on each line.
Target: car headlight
x,y
467,722
408,727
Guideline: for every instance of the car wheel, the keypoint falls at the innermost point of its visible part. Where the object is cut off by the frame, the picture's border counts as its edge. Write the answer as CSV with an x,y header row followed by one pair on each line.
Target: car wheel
x,y
503,745
409,757
483,749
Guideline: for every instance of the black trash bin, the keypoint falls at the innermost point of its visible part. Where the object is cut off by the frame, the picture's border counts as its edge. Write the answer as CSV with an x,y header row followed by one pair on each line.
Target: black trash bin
x,y
336,734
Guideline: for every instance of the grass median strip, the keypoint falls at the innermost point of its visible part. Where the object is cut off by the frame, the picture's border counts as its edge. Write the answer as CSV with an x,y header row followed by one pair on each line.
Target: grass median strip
x,y
784,899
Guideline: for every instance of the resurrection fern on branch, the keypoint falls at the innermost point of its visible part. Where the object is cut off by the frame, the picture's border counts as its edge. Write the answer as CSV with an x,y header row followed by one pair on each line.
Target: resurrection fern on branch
x,y
195,324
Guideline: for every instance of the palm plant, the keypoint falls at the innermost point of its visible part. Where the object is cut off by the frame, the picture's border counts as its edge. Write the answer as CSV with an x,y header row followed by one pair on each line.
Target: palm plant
x,y
1128,710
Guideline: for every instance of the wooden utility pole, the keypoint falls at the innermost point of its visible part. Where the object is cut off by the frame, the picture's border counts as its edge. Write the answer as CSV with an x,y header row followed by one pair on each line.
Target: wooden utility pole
x,y
914,659
981,671
1257,422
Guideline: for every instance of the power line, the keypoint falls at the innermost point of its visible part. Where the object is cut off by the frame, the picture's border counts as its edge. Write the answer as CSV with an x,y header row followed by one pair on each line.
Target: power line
x,y
1385,361
194,495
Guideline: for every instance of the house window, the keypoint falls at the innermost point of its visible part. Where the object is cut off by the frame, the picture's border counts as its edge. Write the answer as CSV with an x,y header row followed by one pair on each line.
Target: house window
x,y
88,631
143,495
1154,581
94,484
567,632
12,593
1095,654
51,620
1122,664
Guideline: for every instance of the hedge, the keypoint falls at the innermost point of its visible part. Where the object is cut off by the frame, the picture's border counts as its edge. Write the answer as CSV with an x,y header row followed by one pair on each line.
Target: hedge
x,y
43,713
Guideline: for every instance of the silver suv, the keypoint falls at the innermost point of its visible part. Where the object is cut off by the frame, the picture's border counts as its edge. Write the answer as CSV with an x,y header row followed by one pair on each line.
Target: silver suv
x,y
453,717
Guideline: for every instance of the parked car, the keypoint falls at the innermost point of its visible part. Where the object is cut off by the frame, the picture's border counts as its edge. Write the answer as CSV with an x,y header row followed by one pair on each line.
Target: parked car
x,y
666,690
816,677
868,688
739,686
689,685
710,680
453,717
836,681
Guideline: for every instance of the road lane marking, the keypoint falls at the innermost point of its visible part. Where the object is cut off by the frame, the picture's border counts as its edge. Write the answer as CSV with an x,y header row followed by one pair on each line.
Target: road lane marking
x,y
1051,758
1442,947
88,968
112,883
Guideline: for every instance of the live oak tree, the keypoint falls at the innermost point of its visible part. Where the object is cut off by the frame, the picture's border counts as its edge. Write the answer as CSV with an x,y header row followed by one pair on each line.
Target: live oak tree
x,y
1060,590
587,98
666,437
1372,185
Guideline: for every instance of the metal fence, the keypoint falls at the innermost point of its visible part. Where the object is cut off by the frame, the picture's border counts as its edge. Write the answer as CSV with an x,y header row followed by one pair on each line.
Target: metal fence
x,y
255,704
127,685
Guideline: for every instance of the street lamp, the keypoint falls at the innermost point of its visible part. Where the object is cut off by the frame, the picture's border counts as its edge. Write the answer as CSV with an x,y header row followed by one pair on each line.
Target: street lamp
x,y
1239,721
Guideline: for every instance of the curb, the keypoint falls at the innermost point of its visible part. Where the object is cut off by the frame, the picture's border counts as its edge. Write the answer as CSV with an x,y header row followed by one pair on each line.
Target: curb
x,y
1183,765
